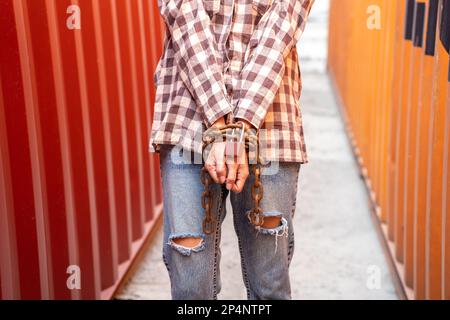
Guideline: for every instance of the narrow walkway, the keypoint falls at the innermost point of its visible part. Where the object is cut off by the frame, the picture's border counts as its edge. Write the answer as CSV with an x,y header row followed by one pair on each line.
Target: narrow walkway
x,y
337,250
338,254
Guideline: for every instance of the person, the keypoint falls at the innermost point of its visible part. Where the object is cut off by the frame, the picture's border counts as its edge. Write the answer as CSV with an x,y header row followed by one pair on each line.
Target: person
x,y
229,62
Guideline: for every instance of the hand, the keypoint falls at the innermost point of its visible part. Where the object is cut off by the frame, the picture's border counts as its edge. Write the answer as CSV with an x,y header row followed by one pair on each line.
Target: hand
x,y
233,171
238,172
215,164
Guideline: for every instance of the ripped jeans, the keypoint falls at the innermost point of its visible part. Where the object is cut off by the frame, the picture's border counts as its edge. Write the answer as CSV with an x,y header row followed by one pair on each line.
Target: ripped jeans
x,y
265,253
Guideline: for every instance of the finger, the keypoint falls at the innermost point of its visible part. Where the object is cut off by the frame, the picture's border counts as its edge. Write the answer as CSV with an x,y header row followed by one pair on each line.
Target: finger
x,y
212,172
242,176
231,178
221,171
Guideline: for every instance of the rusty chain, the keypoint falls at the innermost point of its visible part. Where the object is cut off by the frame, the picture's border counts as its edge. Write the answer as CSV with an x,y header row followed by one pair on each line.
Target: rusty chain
x,y
256,214
208,221
226,132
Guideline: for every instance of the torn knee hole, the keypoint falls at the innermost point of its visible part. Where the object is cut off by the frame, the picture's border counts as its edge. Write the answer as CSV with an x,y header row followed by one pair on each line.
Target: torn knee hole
x,y
271,222
274,225
186,244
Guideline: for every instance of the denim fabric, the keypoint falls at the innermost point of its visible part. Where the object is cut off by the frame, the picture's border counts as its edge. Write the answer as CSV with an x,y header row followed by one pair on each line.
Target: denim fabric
x,y
265,253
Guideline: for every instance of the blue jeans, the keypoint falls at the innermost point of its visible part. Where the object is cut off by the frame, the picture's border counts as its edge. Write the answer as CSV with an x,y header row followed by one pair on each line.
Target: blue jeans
x,y
265,253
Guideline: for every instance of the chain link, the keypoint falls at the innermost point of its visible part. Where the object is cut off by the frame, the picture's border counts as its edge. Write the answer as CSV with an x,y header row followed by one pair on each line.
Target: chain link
x,y
208,221
256,214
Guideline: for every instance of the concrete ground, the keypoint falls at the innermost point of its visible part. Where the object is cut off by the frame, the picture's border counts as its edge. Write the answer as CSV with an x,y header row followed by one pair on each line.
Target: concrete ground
x,y
337,252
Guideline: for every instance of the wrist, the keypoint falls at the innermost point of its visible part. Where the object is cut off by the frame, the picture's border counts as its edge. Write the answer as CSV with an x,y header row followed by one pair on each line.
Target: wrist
x,y
219,122
247,124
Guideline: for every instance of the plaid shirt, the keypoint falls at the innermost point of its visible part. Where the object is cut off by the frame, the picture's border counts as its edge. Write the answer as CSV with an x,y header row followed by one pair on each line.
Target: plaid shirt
x,y
231,56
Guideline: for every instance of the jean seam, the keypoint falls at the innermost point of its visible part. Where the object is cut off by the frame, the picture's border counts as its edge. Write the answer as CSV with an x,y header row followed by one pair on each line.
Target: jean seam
x,y
243,261
216,244
295,192
166,262
291,240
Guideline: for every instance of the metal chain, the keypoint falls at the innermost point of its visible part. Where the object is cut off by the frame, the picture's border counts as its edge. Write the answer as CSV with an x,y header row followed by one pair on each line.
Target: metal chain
x,y
251,141
256,214
208,221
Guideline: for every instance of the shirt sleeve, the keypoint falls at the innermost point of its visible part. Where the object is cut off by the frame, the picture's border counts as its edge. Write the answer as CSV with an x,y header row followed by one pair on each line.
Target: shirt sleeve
x,y
196,55
277,32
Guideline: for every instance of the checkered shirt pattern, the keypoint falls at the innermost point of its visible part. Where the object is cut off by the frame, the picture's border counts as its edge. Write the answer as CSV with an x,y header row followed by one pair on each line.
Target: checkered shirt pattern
x,y
231,56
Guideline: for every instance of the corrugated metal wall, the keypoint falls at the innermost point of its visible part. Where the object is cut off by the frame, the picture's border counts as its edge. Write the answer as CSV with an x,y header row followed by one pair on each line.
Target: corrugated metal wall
x,y
394,88
77,184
